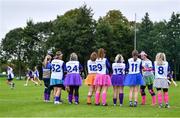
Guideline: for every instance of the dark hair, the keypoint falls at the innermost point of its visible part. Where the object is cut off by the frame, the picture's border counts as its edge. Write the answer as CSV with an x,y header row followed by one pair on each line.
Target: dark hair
x,y
58,55
93,56
135,54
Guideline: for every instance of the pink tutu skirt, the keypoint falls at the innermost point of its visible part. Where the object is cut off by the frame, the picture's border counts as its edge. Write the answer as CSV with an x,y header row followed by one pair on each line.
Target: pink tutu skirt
x,y
102,80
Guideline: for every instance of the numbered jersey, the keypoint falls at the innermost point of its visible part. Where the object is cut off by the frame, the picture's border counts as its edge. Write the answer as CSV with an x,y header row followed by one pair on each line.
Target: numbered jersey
x,y
92,67
147,64
73,66
118,68
161,71
57,69
101,66
36,73
134,66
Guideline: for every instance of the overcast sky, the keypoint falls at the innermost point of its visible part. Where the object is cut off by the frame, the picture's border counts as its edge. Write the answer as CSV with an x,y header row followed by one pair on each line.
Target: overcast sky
x,y
15,13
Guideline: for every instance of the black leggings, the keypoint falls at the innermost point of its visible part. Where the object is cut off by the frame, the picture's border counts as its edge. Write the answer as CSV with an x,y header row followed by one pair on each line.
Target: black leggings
x,y
164,89
150,88
48,88
74,89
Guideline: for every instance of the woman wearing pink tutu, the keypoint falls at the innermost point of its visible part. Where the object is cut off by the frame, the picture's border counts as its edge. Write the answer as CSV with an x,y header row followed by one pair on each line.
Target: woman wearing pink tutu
x,y
102,80
73,79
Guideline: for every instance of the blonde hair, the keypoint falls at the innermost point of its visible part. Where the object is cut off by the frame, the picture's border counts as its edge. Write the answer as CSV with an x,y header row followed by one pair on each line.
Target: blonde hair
x,y
93,56
101,53
119,58
160,58
73,57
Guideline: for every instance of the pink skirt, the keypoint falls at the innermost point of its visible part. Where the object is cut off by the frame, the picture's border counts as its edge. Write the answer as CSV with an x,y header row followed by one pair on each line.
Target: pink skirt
x,y
102,80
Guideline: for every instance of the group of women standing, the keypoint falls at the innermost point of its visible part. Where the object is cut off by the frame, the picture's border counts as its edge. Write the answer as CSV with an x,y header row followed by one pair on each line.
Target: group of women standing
x,y
101,75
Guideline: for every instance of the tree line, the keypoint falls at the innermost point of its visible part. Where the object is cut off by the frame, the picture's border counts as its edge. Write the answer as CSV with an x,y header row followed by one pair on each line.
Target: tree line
x,y
77,31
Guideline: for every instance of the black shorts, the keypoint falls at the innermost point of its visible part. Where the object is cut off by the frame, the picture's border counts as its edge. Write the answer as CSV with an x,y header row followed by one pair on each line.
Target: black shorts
x,y
31,77
9,79
58,85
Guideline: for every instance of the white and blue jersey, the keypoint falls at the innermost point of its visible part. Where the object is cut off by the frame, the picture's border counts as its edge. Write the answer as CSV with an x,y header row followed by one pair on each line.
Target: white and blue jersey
x,y
36,73
30,74
134,77
91,66
10,73
73,67
118,68
161,71
103,66
134,67
146,64
57,69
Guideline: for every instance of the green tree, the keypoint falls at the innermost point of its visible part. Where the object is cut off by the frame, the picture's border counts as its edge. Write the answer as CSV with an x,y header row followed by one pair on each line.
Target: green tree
x,y
145,38
12,46
11,43
113,32
172,45
159,37
74,32
35,38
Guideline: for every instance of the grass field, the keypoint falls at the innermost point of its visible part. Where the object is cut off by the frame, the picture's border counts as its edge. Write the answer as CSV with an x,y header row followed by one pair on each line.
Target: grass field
x,y
28,102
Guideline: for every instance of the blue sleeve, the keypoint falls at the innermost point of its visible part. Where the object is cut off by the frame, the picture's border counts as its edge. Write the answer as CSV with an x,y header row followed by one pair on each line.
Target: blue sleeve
x,y
80,67
170,75
153,67
64,67
30,73
169,69
127,68
48,66
140,68
108,65
37,73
